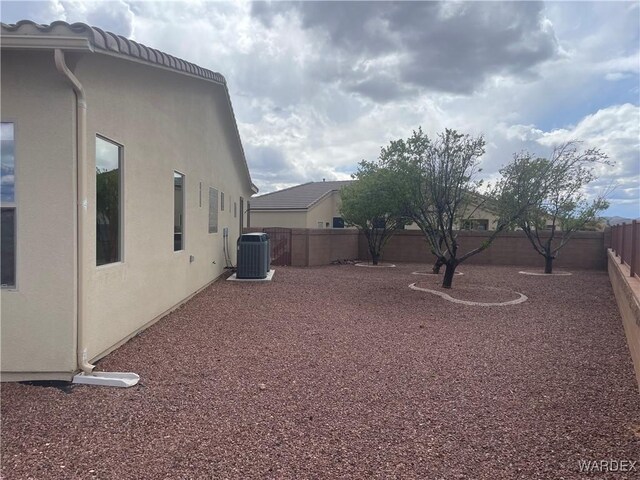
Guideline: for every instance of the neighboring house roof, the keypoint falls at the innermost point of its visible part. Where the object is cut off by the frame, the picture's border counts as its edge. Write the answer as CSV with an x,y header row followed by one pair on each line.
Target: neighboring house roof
x,y
300,197
26,34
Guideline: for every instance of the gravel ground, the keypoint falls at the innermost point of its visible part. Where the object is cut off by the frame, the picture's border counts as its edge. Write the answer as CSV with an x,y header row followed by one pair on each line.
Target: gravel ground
x,y
343,372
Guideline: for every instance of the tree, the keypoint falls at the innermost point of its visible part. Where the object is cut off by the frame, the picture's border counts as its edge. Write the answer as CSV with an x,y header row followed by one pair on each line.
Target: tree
x,y
373,204
555,188
441,191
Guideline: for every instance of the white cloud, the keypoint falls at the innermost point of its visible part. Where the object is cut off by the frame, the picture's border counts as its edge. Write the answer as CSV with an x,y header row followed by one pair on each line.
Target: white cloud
x,y
318,87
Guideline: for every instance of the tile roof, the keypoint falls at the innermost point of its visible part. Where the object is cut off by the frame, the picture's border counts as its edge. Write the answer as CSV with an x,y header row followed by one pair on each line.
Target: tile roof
x,y
112,43
300,197
117,45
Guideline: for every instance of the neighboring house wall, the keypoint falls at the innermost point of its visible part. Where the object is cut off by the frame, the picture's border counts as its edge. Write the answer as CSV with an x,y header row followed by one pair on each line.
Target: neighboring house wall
x,y
165,122
38,316
478,214
279,218
323,212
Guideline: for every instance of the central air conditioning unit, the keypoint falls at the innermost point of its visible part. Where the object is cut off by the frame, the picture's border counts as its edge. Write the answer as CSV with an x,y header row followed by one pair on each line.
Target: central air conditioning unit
x,y
254,255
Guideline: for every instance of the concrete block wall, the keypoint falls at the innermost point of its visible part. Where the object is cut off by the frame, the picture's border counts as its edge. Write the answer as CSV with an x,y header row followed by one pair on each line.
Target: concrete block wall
x,y
313,247
627,292
584,250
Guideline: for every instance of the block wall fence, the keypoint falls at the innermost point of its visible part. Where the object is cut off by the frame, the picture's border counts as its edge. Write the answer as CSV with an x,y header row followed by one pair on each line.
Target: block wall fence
x,y
313,247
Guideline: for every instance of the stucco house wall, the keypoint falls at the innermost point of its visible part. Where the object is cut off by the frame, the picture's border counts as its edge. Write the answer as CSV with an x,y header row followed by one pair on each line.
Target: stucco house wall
x,y
165,121
324,211
38,315
282,218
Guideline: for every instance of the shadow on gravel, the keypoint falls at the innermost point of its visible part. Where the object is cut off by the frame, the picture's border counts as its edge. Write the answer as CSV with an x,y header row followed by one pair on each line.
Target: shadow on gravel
x,y
63,386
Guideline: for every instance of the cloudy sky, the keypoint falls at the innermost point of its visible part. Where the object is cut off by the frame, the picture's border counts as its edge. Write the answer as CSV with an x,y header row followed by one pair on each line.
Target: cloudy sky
x,y
317,87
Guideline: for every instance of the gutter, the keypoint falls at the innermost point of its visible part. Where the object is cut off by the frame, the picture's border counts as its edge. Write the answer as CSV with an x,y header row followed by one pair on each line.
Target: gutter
x,y
86,376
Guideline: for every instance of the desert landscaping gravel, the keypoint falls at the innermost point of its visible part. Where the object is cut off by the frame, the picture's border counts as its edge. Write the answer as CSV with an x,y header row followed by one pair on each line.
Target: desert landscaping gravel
x,y
344,372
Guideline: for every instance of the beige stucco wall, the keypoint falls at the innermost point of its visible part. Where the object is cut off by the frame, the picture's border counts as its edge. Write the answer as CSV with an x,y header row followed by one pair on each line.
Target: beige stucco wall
x,y
165,121
324,211
283,218
38,316
479,214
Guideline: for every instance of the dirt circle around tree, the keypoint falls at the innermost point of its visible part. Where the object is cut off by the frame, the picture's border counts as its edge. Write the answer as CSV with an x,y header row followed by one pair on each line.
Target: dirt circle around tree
x,y
473,295
371,265
542,274
431,273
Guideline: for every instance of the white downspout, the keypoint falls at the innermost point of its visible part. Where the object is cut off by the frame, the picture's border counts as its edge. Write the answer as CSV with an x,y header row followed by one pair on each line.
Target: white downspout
x,y
81,120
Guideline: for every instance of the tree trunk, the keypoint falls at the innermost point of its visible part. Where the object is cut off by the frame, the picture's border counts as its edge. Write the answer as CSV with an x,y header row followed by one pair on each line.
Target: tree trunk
x,y
548,264
436,266
448,275
374,258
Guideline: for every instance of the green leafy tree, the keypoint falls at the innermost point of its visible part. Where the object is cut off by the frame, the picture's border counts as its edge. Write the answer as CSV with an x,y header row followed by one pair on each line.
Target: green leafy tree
x,y
373,204
442,192
554,188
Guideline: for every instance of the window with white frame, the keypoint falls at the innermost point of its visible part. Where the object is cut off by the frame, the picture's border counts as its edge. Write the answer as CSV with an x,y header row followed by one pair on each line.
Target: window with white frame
x,y
8,205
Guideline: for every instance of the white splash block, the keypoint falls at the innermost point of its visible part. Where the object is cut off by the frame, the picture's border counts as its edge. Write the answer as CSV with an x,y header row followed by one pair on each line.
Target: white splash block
x,y
108,379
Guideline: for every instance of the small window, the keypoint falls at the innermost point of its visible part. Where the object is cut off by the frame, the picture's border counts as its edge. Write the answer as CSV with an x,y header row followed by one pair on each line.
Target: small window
x,y
475,224
338,222
213,210
178,211
8,231
222,201
108,201
8,201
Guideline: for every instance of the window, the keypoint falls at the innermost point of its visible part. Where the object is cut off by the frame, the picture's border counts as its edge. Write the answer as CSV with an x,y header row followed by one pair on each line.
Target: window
x,y
338,222
379,223
178,211
475,224
213,210
222,201
8,201
108,201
